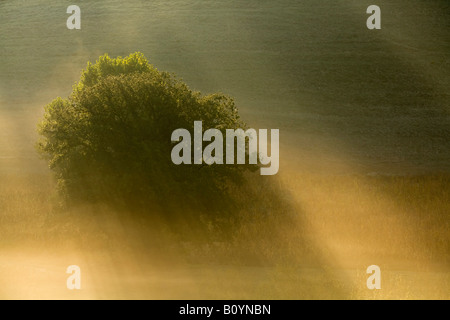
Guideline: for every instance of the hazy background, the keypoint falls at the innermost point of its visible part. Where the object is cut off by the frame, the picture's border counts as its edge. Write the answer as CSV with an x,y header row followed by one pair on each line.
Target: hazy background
x,y
347,100
337,91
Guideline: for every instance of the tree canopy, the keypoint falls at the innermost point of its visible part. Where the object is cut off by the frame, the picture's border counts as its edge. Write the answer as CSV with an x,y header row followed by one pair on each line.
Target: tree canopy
x,y
110,140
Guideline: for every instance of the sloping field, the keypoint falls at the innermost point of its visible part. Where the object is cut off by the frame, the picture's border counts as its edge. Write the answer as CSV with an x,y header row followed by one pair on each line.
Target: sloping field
x,y
364,119
338,92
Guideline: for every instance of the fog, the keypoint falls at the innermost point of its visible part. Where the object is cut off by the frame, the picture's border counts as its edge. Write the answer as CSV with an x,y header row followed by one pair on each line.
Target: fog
x,y
364,149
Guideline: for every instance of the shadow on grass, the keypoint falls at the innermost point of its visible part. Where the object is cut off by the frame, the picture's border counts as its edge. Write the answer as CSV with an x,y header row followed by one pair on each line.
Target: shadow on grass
x,y
258,246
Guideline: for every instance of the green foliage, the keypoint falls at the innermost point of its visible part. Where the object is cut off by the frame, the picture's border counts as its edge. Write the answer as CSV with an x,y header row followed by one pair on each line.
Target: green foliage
x,y
110,140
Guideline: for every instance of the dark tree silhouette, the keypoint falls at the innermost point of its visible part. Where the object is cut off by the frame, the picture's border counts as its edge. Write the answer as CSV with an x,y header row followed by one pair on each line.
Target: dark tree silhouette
x,y
110,140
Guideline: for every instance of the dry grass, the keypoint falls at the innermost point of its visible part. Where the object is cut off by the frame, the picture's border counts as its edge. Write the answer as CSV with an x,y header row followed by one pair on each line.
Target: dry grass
x,y
301,237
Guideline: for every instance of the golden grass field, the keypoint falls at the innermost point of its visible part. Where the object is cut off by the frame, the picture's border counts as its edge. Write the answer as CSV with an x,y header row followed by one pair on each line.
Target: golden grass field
x,y
338,226
364,132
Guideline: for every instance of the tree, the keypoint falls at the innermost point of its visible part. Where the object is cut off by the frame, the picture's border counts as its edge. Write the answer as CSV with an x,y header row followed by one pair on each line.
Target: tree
x,y
110,140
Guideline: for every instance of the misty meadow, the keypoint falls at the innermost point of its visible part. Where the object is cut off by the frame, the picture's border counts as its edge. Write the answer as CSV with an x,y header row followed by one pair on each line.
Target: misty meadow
x,y
87,176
